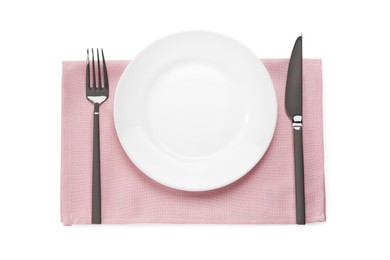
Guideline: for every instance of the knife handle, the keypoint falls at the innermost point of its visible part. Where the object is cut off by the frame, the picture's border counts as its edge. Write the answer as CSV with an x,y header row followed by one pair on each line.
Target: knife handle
x,y
96,194
299,176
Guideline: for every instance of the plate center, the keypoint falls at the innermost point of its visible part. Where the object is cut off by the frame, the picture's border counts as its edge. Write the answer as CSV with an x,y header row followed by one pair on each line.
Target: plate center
x,y
194,109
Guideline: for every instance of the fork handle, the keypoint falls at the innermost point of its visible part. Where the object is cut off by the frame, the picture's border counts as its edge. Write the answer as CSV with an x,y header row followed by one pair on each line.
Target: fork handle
x,y
96,193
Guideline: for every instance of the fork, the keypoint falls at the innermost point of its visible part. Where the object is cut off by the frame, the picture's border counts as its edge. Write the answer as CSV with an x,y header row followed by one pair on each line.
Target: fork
x,y
96,94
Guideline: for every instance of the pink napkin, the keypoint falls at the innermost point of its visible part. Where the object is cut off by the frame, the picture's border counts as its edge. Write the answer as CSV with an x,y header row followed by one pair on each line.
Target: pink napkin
x,y
264,195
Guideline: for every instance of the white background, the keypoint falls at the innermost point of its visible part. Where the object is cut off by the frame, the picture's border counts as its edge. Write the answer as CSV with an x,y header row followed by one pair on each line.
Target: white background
x,y
352,38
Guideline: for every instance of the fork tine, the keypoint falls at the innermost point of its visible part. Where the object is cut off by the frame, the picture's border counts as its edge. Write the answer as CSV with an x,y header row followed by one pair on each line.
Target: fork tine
x,y
87,81
105,74
93,70
98,63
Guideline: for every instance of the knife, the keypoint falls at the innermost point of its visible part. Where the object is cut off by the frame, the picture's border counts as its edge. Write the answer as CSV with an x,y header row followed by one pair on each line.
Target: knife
x,y
293,103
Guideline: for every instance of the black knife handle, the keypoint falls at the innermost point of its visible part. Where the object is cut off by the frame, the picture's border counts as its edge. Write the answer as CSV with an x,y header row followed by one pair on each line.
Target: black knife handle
x,y
96,195
299,177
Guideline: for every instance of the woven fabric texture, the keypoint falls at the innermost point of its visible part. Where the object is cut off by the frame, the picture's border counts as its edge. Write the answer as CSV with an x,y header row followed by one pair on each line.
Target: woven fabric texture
x,y
263,196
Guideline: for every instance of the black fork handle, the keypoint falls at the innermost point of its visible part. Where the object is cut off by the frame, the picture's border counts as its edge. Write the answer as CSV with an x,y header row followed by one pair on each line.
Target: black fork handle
x,y
96,190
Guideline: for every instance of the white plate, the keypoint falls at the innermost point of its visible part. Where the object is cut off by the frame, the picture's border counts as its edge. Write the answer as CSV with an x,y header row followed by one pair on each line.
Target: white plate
x,y
195,111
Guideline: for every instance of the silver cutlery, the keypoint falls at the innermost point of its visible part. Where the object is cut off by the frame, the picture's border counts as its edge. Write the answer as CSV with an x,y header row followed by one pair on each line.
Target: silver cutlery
x,y
293,103
97,93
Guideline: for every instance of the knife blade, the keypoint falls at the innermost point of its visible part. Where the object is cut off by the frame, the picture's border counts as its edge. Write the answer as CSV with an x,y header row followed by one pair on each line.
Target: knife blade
x,y
293,105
